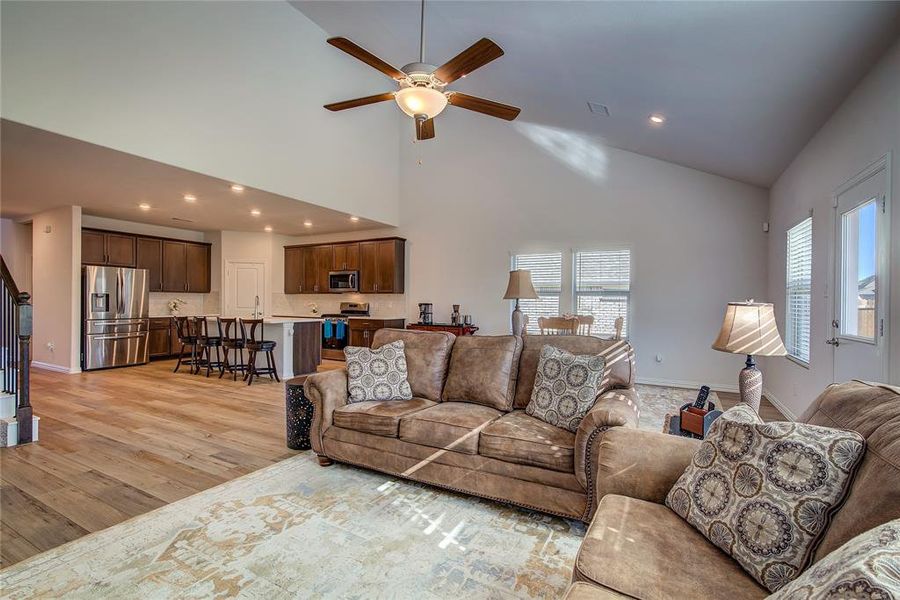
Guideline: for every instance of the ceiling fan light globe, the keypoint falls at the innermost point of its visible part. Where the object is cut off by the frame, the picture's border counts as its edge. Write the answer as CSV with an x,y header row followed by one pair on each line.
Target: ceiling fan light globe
x,y
421,101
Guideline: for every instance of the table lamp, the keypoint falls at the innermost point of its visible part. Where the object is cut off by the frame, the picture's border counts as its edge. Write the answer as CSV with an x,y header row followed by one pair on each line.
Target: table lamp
x,y
749,328
519,286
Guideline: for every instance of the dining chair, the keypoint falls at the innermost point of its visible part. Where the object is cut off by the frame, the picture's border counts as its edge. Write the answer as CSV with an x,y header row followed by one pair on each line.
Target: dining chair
x,y
585,322
619,324
558,325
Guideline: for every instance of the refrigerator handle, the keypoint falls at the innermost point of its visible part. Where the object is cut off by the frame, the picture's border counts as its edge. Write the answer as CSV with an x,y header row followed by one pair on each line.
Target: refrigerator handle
x,y
120,289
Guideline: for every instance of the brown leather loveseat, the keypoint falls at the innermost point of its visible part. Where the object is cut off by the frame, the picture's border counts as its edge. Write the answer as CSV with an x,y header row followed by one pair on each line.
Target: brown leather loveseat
x,y
466,428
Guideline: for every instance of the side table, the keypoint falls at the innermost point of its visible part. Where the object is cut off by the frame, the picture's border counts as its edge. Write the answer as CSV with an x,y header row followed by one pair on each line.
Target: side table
x,y
298,414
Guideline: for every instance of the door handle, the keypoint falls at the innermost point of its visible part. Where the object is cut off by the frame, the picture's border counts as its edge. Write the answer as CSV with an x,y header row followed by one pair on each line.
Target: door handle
x,y
833,342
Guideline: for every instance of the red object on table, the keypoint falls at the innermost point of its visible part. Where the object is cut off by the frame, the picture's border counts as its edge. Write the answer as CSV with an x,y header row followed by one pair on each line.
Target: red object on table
x,y
454,329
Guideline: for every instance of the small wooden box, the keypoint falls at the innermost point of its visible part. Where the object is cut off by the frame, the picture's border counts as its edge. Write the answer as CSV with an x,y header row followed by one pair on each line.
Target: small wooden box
x,y
697,420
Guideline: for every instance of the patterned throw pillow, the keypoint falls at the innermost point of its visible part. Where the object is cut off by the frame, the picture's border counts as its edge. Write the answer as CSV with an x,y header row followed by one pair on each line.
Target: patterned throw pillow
x,y
866,567
565,387
765,492
377,374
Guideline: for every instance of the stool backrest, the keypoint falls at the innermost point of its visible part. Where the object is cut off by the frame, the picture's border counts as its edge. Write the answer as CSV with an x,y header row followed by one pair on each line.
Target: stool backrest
x,y
182,328
229,324
201,327
253,323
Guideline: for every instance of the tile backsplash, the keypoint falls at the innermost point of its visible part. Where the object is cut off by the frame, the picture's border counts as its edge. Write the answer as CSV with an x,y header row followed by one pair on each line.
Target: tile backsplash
x,y
194,304
387,306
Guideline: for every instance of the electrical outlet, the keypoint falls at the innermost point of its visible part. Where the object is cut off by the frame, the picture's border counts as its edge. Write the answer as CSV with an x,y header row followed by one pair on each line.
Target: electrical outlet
x,y
659,358
51,346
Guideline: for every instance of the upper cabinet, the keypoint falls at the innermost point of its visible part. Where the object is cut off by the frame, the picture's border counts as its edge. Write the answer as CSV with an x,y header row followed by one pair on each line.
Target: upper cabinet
x,y
380,263
172,265
108,249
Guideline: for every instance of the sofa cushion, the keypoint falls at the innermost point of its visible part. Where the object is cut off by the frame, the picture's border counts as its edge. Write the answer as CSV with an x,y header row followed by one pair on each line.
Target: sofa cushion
x,y
873,411
765,492
643,549
565,387
427,358
377,417
619,360
483,370
449,425
521,439
378,374
868,566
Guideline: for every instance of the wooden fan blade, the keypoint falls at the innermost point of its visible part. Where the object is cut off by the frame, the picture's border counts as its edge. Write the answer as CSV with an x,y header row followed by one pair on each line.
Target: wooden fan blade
x,y
367,57
486,107
477,55
425,129
360,101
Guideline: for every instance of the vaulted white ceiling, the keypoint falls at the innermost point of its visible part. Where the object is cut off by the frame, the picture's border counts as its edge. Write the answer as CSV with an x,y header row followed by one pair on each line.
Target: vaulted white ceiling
x,y
744,85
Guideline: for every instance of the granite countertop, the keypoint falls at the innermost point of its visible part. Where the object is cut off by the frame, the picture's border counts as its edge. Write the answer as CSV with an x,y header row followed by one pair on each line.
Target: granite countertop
x,y
376,317
275,320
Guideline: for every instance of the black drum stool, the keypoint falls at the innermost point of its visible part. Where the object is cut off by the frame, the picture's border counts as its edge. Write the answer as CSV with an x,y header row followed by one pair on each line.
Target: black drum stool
x,y
299,414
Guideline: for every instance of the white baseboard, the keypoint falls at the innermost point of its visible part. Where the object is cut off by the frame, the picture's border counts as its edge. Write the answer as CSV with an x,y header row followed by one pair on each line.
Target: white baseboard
x,y
680,383
779,405
55,368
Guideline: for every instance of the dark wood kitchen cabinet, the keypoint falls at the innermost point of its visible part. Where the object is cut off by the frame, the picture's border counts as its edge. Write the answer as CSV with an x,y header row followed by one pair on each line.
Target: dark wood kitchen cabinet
x,y
107,249
160,338
149,256
346,257
381,266
186,267
363,330
172,265
293,270
380,262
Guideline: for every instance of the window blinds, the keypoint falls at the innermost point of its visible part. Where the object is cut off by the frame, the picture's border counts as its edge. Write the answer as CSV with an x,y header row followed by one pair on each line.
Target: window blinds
x,y
603,288
798,290
546,276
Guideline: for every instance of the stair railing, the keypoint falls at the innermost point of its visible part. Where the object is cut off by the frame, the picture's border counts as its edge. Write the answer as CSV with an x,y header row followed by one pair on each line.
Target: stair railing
x,y
15,345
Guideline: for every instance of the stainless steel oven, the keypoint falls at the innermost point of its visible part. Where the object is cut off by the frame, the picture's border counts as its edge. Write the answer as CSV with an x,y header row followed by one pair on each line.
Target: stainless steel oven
x,y
343,281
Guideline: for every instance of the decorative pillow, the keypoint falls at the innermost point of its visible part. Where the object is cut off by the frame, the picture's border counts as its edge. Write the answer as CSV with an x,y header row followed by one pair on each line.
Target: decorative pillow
x,y
868,566
377,374
565,387
483,370
765,492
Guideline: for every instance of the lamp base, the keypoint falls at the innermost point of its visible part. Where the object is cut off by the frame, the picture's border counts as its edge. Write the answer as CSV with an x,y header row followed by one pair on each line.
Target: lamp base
x,y
750,384
518,321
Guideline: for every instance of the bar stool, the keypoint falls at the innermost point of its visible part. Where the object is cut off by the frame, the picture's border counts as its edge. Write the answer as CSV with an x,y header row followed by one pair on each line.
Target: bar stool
x,y
255,346
207,342
187,336
235,344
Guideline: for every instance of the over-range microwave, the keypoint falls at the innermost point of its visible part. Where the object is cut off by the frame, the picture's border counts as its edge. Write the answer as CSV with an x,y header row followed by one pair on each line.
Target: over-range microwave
x,y
343,281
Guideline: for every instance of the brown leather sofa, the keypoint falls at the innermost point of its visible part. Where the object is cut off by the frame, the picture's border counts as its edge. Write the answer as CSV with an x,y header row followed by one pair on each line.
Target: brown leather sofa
x,y
466,429
636,547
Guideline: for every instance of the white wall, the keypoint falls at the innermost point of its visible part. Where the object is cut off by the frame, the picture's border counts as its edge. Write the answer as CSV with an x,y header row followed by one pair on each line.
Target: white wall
x,y
229,89
862,130
57,289
15,246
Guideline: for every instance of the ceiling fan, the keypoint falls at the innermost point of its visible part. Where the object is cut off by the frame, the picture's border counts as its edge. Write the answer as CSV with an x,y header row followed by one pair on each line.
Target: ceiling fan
x,y
422,93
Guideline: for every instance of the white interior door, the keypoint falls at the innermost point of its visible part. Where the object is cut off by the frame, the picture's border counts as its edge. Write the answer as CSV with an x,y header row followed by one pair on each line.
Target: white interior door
x,y
245,285
861,270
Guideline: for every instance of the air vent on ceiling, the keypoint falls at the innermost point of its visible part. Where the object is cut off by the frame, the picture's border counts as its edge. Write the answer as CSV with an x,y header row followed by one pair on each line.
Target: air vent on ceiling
x,y
182,220
598,109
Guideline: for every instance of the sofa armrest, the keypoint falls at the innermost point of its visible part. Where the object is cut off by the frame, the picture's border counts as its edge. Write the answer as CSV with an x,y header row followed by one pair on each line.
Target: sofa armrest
x,y
641,464
327,391
614,408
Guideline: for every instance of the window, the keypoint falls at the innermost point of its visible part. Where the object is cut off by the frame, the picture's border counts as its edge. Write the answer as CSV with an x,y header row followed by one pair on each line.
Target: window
x,y
603,288
798,291
546,275
859,286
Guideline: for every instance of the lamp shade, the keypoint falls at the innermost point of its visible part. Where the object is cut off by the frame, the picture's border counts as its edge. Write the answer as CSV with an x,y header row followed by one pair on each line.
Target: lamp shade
x,y
520,286
421,101
749,328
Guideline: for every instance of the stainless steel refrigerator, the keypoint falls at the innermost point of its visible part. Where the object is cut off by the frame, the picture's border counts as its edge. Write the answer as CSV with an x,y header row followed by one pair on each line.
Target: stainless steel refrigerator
x,y
116,307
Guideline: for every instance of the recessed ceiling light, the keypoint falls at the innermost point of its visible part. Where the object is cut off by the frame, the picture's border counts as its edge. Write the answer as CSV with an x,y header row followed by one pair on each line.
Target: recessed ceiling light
x,y
268,228
255,212
354,219
657,119
190,198
236,187
307,223
144,206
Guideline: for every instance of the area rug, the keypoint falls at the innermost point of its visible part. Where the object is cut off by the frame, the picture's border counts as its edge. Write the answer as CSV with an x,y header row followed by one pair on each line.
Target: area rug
x,y
297,530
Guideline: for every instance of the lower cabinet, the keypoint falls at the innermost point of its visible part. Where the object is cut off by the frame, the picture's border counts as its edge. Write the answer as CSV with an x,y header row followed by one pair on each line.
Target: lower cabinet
x,y
160,339
363,330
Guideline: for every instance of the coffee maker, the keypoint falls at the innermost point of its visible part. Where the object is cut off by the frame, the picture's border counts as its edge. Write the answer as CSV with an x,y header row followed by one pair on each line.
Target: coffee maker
x,y
454,316
426,313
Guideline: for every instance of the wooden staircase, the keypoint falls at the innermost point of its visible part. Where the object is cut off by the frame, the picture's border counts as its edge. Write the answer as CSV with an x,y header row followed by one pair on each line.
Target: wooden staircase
x,y
18,425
